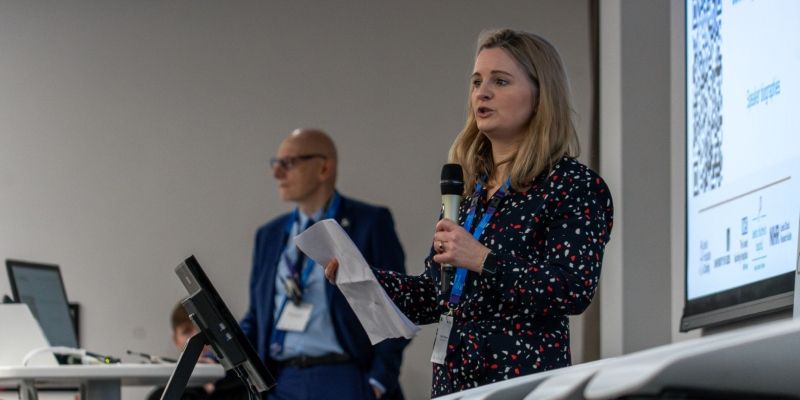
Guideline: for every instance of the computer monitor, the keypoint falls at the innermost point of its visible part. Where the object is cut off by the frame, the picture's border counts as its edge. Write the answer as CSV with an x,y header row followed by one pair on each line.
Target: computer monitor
x,y
217,328
40,287
741,168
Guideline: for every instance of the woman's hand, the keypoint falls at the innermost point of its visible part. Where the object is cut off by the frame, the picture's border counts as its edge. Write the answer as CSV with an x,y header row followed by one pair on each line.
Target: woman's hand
x,y
455,246
330,270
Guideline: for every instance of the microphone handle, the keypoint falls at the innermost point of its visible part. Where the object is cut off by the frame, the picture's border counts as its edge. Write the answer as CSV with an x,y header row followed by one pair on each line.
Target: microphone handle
x,y
450,204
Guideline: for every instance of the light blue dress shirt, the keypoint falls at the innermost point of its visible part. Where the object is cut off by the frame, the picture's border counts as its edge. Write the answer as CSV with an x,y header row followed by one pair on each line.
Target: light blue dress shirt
x,y
319,337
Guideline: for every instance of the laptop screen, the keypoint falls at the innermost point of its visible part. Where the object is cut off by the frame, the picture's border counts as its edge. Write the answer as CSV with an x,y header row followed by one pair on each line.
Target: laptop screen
x,y
40,287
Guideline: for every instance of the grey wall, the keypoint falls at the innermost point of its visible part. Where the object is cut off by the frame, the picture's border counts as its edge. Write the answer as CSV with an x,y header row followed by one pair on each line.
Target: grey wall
x,y
677,169
642,158
638,128
645,173
133,134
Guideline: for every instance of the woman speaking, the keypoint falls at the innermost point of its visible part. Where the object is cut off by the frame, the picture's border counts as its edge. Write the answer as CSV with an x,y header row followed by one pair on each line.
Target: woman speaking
x,y
533,225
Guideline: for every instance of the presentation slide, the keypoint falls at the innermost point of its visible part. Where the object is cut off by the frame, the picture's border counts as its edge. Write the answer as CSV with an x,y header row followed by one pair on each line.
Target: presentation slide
x,y
743,142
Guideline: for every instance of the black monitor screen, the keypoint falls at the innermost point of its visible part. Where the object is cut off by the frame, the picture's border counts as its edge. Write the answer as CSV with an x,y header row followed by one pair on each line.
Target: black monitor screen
x,y
40,287
213,318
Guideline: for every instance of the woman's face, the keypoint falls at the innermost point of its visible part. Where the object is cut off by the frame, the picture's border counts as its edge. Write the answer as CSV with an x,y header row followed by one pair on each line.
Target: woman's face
x,y
502,96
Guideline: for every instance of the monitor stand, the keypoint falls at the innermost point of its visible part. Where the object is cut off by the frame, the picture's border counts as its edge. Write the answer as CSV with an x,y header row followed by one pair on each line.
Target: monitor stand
x,y
180,377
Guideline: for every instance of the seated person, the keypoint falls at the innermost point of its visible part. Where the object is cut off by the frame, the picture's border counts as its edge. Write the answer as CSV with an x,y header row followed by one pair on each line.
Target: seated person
x,y
227,388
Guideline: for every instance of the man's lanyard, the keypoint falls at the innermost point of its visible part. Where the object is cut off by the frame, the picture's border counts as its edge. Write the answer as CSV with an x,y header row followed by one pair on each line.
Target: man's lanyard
x,y
461,273
294,267
294,285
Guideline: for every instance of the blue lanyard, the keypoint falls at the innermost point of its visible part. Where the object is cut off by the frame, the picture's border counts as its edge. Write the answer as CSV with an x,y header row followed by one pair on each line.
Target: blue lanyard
x,y
461,273
330,212
279,336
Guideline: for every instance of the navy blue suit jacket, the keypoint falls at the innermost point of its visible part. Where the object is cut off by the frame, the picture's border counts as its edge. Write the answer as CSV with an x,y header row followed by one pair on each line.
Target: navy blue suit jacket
x,y
372,230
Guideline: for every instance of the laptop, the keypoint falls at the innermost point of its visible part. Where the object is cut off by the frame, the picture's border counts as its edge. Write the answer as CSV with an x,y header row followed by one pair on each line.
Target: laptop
x,y
41,288
21,334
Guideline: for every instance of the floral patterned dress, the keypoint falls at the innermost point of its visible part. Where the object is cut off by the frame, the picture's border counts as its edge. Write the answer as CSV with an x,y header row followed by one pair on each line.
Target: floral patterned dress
x,y
548,243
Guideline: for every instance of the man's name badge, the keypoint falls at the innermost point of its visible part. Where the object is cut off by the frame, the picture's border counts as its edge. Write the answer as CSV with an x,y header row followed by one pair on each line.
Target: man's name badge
x,y
442,336
294,318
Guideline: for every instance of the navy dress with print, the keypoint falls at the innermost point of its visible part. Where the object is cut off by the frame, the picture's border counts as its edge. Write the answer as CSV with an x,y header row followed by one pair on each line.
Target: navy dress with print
x,y
548,243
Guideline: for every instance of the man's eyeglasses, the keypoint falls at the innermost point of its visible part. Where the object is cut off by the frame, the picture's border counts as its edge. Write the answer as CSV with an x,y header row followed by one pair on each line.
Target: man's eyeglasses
x,y
287,163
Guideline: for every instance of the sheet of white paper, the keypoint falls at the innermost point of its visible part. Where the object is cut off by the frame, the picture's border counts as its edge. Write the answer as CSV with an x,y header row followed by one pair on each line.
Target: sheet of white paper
x,y
377,313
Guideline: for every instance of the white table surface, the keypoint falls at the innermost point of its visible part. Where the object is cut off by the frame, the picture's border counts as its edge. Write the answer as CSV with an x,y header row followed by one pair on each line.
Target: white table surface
x,y
127,374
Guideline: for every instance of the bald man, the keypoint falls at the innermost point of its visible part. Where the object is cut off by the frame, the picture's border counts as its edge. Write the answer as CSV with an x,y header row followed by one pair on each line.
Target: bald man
x,y
302,326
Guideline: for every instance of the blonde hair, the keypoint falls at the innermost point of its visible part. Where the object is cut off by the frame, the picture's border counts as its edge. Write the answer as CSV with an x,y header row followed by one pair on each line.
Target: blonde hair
x,y
551,131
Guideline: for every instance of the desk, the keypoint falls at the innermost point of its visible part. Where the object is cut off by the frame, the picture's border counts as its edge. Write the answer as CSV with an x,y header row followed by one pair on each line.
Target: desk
x,y
100,382
552,384
759,361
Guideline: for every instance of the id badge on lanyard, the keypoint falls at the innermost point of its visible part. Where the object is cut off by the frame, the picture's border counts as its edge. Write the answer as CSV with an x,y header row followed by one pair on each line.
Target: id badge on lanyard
x,y
295,317
294,313
442,337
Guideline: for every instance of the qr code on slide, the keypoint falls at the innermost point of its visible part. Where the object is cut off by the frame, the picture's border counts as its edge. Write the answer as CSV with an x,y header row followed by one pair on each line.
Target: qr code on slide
x,y
706,99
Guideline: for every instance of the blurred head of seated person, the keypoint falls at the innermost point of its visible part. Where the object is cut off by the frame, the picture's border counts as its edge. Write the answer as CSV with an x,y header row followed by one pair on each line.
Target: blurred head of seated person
x,y
227,388
183,329
532,228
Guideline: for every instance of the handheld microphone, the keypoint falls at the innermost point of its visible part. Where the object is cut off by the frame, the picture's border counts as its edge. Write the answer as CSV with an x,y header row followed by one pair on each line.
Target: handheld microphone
x,y
452,185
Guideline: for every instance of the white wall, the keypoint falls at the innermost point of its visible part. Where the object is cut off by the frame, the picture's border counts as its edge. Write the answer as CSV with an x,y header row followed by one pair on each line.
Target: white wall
x,y
133,134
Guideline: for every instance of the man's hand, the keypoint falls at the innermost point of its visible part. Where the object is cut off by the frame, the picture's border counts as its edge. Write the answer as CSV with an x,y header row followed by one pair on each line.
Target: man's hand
x,y
377,391
330,270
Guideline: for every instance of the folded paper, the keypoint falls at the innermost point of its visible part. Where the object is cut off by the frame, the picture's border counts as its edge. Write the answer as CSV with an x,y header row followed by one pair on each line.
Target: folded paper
x,y
377,313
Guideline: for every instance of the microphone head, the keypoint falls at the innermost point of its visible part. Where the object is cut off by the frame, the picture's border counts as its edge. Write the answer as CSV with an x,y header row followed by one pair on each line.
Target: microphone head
x,y
452,179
